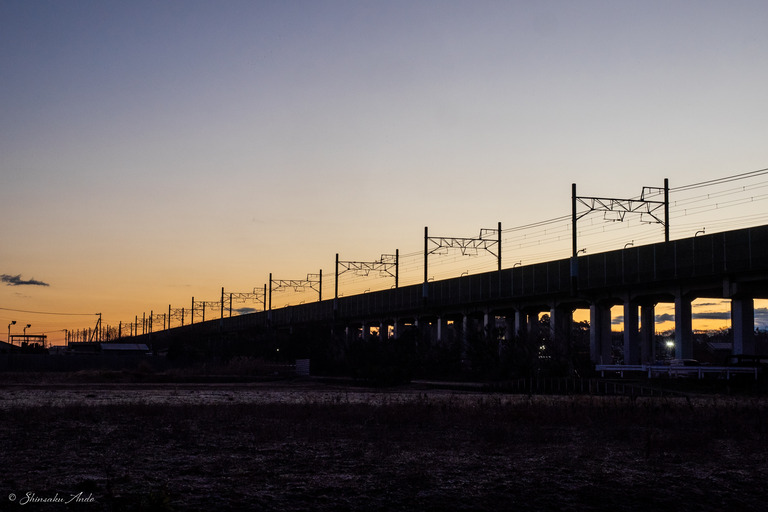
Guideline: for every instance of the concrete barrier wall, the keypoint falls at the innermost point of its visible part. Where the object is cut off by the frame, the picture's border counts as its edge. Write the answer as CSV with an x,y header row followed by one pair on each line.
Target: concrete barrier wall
x,y
711,257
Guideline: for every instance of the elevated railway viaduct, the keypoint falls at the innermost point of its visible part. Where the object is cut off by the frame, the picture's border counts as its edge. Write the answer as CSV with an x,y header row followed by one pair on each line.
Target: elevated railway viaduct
x,y
729,265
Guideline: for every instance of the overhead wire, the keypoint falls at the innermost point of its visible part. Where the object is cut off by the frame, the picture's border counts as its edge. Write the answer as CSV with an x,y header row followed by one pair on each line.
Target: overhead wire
x,y
717,181
48,312
615,230
550,238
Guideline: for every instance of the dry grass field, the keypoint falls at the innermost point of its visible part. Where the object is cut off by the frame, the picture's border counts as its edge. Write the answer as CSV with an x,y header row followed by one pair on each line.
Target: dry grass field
x,y
304,445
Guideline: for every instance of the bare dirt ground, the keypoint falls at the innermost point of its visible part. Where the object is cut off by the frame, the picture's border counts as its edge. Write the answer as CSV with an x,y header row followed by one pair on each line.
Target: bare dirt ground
x,y
304,445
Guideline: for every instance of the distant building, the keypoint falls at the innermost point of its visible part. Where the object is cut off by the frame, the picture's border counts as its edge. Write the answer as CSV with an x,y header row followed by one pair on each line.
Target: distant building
x,y
106,348
29,340
124,348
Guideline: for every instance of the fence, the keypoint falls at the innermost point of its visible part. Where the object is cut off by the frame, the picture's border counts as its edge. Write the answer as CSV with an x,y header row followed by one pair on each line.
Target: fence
x,y
677,370
575,386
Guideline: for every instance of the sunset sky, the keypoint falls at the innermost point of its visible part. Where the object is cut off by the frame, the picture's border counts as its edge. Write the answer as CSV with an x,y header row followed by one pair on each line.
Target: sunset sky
x,y
152,151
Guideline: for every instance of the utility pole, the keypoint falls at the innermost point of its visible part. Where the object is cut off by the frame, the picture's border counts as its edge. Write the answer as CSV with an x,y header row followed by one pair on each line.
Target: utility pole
x,y
666,209
498,246
574,254
424,290
397,267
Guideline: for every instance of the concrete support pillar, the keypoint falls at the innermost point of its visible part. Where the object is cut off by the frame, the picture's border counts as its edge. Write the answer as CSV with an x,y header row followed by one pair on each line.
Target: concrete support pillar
x,y
441,326
383,331
560,320
427,329
553,317
350,332
340,333
631,333
423,328
600,333
489,323
398,328
510,327
532,324
743,323
521,324
648,333
683,327
466,332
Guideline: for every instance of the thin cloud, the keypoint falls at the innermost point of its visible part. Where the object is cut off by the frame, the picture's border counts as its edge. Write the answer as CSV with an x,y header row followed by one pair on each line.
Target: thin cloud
x,y
713,315
707,304
18,281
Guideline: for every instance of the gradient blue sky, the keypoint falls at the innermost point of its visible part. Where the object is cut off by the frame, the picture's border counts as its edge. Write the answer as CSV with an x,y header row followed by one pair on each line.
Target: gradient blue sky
x,y
155,151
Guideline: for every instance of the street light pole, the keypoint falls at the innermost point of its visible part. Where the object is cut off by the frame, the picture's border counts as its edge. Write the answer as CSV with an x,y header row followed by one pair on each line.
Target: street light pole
x,y
13,322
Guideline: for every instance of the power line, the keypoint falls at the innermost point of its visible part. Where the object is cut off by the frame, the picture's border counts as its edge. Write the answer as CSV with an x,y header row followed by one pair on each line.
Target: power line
x,y
724,179
47,312
538,224
712,195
